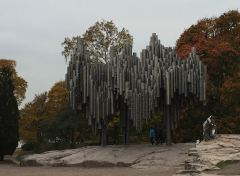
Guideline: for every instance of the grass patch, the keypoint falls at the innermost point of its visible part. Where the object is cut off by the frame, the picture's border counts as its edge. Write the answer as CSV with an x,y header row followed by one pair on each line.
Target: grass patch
x,y
225,163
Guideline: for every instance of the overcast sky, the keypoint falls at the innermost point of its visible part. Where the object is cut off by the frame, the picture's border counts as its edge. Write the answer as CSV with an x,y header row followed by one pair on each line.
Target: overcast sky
x,y
31,31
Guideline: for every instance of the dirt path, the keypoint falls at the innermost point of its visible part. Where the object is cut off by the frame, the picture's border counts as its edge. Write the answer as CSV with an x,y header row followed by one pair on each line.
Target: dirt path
x,y
8,169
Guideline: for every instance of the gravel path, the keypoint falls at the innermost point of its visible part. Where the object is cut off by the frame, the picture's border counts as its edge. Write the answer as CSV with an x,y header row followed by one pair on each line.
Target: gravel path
x,y
7,169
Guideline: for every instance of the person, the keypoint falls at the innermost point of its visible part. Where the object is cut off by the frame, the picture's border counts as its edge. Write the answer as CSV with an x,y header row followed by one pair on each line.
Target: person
x,y
152,135
206,129
209,128
161,138
157,135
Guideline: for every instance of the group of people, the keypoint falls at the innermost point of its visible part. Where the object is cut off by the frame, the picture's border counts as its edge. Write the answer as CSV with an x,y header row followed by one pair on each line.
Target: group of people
x,y
209,131
156,136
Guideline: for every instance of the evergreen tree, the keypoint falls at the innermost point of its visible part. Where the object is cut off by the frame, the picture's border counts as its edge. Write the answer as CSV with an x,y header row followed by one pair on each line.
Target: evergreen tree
x,y
9,114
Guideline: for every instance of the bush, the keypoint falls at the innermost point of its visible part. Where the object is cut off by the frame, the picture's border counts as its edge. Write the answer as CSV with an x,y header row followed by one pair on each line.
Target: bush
x,y
30,146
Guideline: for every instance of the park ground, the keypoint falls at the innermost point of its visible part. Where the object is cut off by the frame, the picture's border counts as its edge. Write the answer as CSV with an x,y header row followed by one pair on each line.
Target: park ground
x,y
139,160
13,170
9,169
220,156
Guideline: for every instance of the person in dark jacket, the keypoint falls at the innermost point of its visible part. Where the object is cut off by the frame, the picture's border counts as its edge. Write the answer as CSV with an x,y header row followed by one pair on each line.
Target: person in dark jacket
x,y
152,135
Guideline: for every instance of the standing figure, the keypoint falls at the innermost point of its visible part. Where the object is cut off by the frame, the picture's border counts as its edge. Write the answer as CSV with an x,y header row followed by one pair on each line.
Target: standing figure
x,y
152,135
209,128
157,135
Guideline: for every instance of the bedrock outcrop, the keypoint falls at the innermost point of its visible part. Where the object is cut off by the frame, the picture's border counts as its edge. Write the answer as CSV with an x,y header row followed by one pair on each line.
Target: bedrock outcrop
x,y
134,156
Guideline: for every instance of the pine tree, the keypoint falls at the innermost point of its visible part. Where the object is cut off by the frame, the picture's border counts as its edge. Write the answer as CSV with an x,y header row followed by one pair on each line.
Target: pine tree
x,y
9,114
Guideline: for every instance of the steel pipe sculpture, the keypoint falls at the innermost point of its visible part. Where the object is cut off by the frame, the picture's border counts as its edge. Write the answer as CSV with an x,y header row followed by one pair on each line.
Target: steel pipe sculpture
x,y
158,80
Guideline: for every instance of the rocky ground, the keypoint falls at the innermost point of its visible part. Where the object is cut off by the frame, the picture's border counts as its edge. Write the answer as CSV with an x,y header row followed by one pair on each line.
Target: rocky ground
x,y
129,160
220,156
133,156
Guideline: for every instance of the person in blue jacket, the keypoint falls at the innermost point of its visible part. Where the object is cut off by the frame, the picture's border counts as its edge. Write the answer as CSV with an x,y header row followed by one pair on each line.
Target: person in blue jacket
x,y
152,135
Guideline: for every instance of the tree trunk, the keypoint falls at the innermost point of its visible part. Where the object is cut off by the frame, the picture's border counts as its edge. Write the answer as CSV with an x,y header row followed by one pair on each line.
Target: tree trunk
x,y
72,137
103,134
126,129
168,130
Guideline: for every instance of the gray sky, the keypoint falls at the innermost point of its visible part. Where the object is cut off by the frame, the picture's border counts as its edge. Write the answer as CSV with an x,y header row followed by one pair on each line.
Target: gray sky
x,y
31,31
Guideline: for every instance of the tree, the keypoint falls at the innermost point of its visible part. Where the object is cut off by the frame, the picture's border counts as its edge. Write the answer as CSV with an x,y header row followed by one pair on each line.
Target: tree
x,y
32,116
20,85
113,128
101,39
68,45
230,98
9,114
217,42
58,98
68,127
44,106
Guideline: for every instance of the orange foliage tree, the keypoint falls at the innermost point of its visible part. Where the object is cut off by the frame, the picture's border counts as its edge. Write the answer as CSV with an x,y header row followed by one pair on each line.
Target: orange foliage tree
x,y
217,41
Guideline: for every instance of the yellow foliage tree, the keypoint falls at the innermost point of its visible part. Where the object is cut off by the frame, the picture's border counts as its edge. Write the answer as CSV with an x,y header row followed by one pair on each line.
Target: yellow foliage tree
x,y
32,116
58,98
43,108
101,39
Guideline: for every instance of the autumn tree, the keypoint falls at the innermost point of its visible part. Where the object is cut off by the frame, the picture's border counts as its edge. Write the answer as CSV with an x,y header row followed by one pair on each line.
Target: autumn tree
x,y
68,127
44,107
217,42
9,114
101,39
230,100
58,98
32,116
49,118
68,45
20,85
215,45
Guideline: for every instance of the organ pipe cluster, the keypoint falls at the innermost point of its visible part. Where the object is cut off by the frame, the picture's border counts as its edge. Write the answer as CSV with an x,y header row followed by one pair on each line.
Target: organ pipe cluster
x,y
156,80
